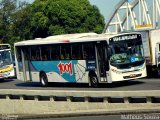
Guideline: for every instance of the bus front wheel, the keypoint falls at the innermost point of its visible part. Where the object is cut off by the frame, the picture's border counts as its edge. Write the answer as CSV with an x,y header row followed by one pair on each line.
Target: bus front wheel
x,y
43,80
94,81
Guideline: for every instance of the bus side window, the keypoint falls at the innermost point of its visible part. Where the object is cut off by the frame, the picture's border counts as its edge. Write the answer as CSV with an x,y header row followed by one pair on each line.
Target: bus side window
x,y
44,57
76,51
45,52
19,57
35,53
62,56
89,51
85,56
66,52
67,56
55,52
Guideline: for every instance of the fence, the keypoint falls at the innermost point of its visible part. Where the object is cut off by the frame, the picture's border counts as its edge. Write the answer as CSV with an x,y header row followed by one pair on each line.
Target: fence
x,y
61,101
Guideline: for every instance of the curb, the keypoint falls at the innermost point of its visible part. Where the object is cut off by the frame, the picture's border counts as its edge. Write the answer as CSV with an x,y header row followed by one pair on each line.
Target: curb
x,y
85,113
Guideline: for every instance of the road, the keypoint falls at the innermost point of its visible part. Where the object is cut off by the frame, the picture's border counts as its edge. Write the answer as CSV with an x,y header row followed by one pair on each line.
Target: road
x,y
140,84
139,116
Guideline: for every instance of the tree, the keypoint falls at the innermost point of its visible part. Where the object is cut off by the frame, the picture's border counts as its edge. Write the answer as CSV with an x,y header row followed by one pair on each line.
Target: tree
x,y
42,18
8,8
21,23
52,17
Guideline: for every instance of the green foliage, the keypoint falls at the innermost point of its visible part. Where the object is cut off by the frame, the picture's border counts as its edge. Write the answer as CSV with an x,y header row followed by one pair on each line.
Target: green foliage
x,y
8,20
52,17
43,18
7,7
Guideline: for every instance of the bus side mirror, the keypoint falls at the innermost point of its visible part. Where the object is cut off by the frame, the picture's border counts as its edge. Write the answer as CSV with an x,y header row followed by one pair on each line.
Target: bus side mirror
x,y
109,52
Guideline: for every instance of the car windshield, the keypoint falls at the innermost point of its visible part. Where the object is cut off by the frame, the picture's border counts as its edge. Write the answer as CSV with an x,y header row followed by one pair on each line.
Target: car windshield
x,y
5,58
127,54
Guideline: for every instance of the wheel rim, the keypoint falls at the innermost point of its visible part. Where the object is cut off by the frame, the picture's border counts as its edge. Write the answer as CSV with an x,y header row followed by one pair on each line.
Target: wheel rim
x,y
94,80
42,81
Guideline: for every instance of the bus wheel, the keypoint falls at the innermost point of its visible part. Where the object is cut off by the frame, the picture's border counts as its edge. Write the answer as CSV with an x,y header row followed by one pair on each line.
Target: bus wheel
x,y
94,81
43,80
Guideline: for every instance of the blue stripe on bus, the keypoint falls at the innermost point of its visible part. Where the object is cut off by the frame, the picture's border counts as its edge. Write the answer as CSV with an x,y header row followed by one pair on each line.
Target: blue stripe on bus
x,y
65,68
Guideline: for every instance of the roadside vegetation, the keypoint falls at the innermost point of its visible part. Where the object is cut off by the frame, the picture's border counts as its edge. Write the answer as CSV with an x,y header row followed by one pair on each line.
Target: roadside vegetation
x,y
22,21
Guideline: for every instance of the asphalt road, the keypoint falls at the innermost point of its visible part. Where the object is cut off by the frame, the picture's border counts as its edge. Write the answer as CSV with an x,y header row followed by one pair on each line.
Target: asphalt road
x,y
139,116
140,84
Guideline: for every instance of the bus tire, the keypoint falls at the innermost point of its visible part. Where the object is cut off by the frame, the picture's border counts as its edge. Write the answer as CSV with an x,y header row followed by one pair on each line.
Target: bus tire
x,y
94,81
43,80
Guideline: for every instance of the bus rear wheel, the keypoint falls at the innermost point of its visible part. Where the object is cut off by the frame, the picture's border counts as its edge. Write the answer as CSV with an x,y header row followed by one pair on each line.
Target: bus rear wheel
x,y
43,80
94,81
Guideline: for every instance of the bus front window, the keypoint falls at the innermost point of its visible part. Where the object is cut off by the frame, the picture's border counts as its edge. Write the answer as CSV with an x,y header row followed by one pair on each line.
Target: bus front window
x,y
5,58
125,55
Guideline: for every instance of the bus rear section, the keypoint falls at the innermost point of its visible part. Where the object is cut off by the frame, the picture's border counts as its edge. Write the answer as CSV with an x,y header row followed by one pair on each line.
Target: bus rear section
x,y
89,59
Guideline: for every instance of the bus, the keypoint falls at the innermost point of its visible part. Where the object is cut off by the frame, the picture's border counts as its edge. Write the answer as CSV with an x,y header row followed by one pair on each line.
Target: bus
x,y
7,69
81,58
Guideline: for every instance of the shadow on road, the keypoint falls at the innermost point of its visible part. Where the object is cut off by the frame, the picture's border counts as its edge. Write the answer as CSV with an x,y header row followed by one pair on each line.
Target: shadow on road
x,y
80,85
123,84
28,84
5,80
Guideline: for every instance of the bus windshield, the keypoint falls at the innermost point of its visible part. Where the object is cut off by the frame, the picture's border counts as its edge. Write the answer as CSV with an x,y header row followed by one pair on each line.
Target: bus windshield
x,y
5,58
127,54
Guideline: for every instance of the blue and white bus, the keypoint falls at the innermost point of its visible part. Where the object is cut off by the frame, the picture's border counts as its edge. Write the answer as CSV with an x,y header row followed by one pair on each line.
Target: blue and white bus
x,y
81,58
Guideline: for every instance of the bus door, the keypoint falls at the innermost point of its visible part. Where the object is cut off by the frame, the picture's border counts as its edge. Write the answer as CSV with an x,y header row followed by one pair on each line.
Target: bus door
x,y
101,59
26,66
23,64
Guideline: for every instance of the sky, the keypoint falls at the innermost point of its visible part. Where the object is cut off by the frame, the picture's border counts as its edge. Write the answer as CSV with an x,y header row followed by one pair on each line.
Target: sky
x,y
105,6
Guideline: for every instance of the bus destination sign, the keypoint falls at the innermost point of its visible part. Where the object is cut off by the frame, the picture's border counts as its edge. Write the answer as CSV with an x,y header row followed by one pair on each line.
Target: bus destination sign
x,y
2,47
124,37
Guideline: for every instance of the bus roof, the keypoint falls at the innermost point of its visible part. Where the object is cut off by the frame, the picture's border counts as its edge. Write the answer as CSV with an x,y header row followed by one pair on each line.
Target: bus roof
x,y
66,38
